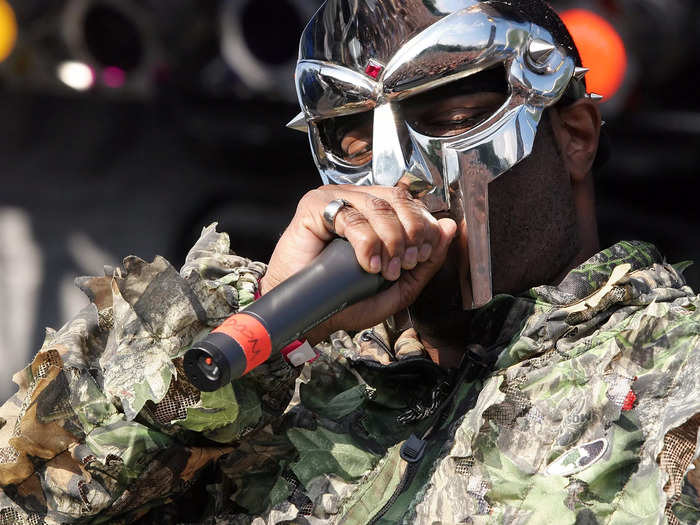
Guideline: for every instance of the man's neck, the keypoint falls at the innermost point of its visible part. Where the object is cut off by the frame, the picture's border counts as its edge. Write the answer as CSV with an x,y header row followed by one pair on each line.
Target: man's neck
x,y
446,337
444,355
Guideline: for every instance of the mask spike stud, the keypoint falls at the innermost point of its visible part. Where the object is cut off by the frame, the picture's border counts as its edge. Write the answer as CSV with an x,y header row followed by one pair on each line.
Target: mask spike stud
x,y
595,97
540,50
580,72
298,123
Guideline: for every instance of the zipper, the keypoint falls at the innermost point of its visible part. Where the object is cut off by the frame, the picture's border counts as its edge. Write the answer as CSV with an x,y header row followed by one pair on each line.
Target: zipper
x,y
412,451
405,481
413,448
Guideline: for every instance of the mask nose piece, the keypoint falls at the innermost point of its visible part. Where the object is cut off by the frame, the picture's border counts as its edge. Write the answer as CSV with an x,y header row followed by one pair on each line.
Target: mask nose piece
x,y
388,159
417,178
424,175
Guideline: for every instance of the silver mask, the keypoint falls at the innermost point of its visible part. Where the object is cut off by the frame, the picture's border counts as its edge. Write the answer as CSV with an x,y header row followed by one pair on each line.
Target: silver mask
x,y
369,55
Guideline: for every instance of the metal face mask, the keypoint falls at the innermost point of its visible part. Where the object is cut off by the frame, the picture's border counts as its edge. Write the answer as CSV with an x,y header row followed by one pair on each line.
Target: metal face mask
x,y
373,55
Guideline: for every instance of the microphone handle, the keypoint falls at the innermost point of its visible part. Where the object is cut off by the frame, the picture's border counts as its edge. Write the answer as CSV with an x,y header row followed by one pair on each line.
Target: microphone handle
x,y
331,283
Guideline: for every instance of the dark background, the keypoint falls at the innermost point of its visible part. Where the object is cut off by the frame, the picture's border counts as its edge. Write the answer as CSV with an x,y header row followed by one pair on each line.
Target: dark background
x,y
192,136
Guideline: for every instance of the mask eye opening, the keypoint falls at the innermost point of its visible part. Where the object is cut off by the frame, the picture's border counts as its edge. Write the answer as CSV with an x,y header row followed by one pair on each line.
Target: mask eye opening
x,y
348,138
456,107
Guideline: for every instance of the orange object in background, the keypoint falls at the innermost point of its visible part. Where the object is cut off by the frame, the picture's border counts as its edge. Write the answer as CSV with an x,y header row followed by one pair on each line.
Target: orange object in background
x,y
601,49
8,30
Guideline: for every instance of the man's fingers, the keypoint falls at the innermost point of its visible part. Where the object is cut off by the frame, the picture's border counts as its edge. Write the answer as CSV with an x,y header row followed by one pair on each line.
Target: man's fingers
x,y
354,226
420,227
412,282
372,226
392,211
405,291
349,223
374,231
389,230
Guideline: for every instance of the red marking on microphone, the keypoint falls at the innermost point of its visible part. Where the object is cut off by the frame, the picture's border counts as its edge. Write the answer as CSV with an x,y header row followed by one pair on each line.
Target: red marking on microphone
x,y
251,335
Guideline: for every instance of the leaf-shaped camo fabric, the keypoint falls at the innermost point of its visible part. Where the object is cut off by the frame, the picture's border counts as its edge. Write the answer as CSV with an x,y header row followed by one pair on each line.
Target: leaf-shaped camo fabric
x,y
325,452
86,435
590,413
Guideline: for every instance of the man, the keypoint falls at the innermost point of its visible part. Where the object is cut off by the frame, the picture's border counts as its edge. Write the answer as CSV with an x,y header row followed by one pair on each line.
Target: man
x,y
453,396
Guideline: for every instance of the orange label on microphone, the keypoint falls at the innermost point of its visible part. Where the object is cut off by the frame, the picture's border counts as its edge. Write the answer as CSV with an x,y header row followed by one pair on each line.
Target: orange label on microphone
x,y
251,335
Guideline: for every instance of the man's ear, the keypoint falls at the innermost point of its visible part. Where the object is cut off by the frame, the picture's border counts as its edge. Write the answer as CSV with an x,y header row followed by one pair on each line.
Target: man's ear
x,y
577,130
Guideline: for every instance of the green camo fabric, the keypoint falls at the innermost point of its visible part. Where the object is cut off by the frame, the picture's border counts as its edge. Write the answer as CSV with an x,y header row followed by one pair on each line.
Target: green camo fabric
x,y
589,414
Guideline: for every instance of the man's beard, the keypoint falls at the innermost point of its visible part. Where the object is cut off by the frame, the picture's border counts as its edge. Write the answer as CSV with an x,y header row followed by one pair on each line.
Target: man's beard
x,y
438,312
534,237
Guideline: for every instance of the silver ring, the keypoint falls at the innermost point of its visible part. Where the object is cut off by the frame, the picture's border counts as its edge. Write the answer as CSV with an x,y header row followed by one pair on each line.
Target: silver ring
x,y
330,212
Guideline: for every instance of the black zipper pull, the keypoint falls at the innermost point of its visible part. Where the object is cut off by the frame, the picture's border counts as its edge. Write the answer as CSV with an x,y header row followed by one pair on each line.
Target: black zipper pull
x,y
369,335
412,449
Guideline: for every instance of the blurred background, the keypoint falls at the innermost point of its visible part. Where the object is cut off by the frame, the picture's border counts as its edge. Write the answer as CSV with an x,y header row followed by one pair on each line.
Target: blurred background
x,y
128,125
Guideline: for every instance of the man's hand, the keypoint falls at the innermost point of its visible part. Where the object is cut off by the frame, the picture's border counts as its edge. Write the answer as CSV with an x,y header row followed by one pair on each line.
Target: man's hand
x,y
389,231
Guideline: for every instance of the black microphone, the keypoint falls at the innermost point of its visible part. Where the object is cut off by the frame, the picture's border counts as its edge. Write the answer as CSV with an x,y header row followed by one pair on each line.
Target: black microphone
x,y
332,282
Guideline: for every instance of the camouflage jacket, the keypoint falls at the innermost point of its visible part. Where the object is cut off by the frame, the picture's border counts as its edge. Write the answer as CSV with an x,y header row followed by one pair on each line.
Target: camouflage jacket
x,y
588,412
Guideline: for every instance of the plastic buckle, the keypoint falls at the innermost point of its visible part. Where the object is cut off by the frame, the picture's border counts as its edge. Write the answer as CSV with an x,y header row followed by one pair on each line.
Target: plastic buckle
x,y
412,449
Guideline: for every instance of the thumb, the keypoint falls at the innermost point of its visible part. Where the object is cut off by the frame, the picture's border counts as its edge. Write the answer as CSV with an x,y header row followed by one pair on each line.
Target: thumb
x,y
448,227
